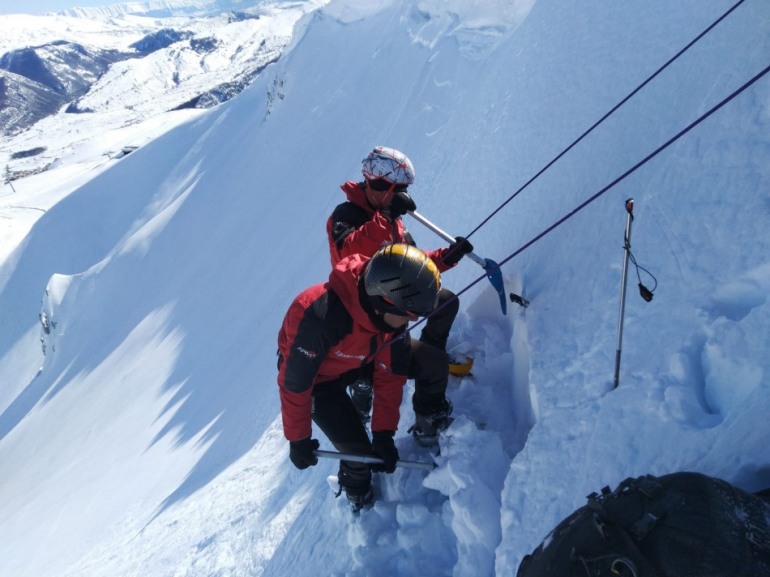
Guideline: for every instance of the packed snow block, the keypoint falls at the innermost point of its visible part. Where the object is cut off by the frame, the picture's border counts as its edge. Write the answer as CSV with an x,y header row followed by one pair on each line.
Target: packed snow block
x,y
678,525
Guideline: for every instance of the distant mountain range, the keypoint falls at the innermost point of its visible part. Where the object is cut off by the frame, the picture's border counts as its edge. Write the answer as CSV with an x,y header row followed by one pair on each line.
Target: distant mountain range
x,y
196,53
36,82
158,8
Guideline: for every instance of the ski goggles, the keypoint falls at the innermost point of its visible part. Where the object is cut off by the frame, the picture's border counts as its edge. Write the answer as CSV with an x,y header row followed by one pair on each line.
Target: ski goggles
x,y
383,190
385,305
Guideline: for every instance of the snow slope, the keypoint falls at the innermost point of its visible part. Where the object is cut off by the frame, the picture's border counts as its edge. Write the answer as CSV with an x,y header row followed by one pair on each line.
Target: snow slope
x,y
135,100
147,441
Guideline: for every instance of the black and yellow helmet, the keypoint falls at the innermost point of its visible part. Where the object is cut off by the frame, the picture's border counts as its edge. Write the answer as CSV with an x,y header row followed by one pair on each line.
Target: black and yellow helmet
x,y
401,279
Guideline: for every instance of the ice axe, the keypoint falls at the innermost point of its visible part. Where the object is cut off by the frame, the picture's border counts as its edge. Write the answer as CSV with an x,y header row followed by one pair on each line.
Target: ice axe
x,y
490,267
372,460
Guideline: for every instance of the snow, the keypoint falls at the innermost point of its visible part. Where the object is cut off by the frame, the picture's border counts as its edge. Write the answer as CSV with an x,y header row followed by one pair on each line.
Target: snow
x,y
146,440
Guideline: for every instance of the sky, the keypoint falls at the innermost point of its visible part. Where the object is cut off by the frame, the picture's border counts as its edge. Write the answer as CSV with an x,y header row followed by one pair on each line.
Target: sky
x,y
44,6
141,434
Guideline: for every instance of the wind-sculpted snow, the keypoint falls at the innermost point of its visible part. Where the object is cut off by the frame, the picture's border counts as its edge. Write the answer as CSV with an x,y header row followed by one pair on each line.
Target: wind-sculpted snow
x,y
147,439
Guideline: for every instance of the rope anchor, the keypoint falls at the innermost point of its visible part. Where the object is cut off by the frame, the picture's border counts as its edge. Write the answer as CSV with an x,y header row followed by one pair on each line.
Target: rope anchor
x,y
645,293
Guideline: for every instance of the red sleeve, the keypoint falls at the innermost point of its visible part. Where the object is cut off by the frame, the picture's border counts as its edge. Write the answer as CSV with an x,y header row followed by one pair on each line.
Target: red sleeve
x,y
437,256
296,414
368,238
302,345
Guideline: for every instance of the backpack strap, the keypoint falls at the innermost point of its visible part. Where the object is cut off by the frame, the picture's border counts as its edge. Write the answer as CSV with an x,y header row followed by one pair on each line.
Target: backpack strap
x,y
635,564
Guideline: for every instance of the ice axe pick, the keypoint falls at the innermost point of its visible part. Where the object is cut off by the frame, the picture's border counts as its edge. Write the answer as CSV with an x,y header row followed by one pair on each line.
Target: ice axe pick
x,y
492,269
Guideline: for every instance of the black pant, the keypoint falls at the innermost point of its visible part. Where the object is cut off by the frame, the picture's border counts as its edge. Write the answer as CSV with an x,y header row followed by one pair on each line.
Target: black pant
x,y
429,367
438,325
429,364
336,416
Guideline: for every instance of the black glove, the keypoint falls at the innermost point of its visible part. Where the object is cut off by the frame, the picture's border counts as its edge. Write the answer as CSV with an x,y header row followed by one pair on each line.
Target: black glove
x,y
301,453
458,249
400,204
384,448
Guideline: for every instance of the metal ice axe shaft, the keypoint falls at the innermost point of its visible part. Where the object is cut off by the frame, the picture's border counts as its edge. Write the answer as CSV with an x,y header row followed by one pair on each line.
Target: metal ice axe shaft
x,y
491,267
372,460
623,278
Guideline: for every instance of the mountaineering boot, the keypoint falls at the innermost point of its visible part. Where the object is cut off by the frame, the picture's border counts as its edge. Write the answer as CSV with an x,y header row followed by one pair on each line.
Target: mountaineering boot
x,y
356,480
427,426
359,500
361,394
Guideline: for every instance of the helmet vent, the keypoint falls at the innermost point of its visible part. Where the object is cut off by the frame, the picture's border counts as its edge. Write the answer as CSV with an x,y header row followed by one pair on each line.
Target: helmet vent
x,y
404,276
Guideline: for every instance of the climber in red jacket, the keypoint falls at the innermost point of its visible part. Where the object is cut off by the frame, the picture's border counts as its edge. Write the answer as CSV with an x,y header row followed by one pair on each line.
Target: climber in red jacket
x,y
355,324
370,219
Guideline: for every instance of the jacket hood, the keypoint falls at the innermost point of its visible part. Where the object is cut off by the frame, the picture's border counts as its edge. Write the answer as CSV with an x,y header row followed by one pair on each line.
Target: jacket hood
x,y
344,281
355,194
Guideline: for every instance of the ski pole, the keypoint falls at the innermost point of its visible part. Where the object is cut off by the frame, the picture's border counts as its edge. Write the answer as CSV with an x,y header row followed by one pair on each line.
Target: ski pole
x,y
491,267
372,460
624,277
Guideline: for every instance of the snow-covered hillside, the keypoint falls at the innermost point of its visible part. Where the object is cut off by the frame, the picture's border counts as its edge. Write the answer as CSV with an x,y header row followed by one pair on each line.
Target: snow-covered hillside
x,y
161,64
141,434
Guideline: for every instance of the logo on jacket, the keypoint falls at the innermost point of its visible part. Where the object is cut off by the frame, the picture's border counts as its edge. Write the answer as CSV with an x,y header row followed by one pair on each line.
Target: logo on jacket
x,y
347,356
307,353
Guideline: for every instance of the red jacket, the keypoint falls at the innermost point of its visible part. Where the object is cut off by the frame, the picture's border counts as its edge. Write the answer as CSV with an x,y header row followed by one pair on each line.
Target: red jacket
x,y
327,333
356,228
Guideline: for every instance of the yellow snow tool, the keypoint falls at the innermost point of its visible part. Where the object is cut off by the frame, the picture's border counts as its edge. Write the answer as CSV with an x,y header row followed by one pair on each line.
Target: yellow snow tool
x,y
460,368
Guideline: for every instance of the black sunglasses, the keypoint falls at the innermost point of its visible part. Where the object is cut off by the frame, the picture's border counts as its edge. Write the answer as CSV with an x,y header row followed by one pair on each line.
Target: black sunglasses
x,y
382,185
387,306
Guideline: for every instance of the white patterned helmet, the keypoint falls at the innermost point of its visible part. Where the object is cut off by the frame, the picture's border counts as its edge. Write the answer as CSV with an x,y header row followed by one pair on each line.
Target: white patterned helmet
x,y
388,164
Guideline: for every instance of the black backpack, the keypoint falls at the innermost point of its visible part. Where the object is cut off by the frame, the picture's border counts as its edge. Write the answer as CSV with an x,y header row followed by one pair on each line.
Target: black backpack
x,y
677,525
